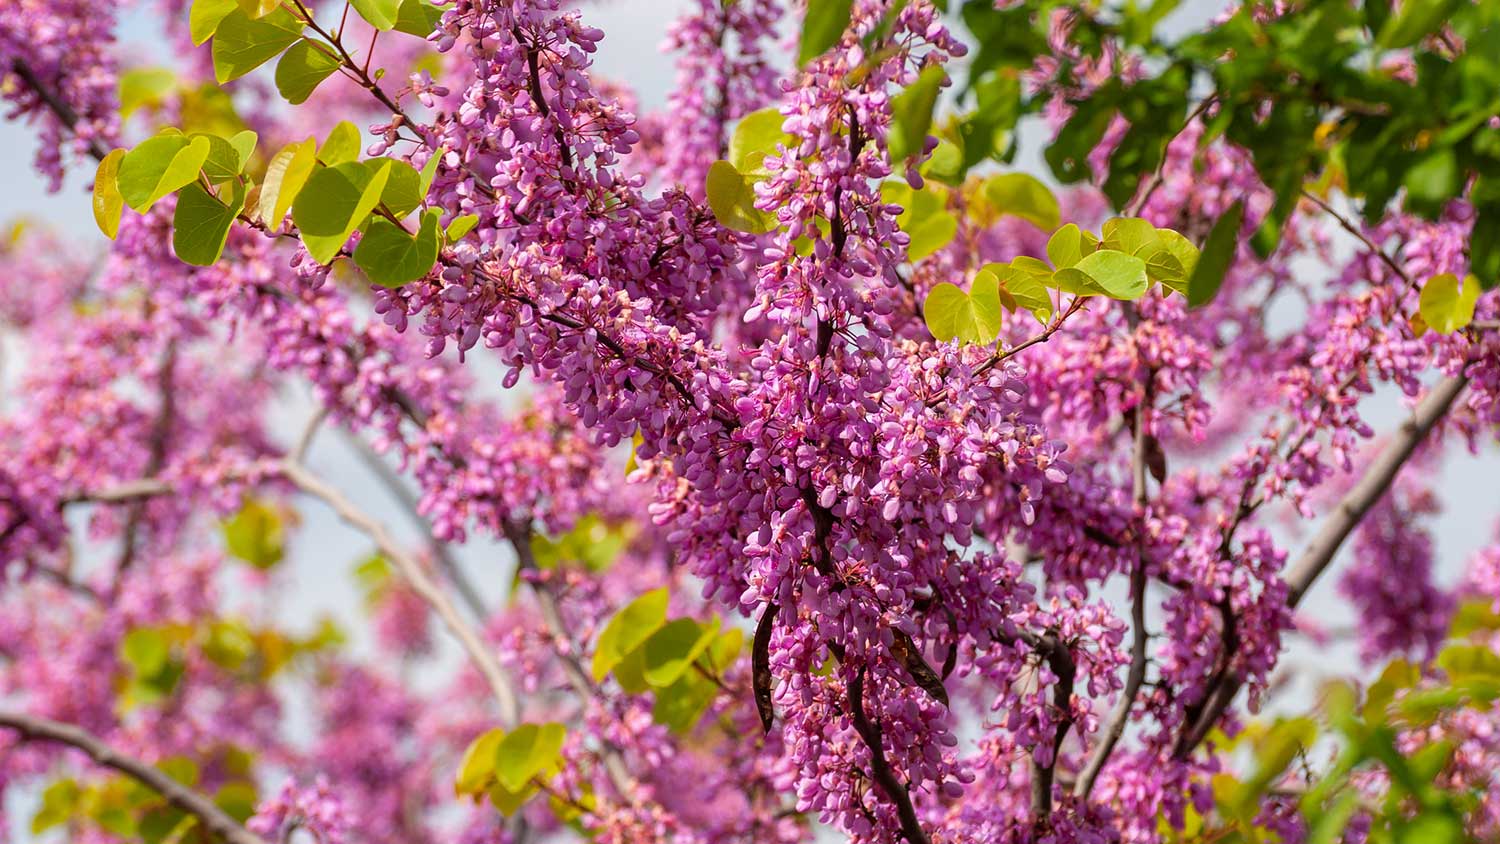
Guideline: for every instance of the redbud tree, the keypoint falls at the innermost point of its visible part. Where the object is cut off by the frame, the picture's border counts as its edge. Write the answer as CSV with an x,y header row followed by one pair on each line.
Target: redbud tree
x,y
856,484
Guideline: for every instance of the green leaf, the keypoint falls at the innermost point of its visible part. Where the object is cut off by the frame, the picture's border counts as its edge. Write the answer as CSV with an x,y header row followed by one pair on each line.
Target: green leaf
x,y
1025,197
1119,275
244,144
60,802
477,767
158,166
680,706
145,650
201,223
1174,260
241,43
460,226
380,14
143,86
1474,615
342,145
757,135
911,114
1067,246
594,543
418,17
526,752
630,672
1218,251
509,802
1130,235
237,799
822,27
1447,305
285,176
725,649
390,257
945,165
205,17
673,649
223,162
1460,660
628,630
302,69
107,200
429,170
970,317
403,190
1414,20
258,8
1024,289
1431,827
335,202
255,535
731,195
925,218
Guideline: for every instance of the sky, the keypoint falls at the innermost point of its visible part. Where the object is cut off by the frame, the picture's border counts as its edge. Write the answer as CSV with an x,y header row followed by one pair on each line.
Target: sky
x,y
325,550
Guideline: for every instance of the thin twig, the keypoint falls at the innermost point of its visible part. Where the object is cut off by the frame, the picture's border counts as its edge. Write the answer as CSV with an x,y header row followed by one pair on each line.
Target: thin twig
x,y
479,653
1136,674
583,685
408,501
1348,226
214,819
161,432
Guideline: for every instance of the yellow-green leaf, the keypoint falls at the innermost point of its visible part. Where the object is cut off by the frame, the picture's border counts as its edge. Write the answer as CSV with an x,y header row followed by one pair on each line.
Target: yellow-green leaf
x,y
242,43
972,317
477,767
201,221
1446,304
285,176
731,195
1023,196
302,69
107,200
158,166
628,630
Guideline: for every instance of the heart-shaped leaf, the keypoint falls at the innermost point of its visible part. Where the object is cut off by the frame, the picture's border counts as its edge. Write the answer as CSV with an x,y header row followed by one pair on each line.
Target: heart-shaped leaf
x,y
972,317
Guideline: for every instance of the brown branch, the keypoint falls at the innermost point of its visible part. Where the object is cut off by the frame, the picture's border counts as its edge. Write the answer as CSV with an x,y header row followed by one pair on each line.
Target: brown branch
x,y
1052,649
880,769
1320,552
1133,682
214,819
1349,227
64,112
1136,674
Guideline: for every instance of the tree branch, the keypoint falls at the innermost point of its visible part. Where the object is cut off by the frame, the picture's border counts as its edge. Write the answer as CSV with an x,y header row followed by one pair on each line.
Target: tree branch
x,y
1052,649
583,685
408,501
1136,675
1378,477
156,456
479,653
64,112
1320,552
895,790
213,818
